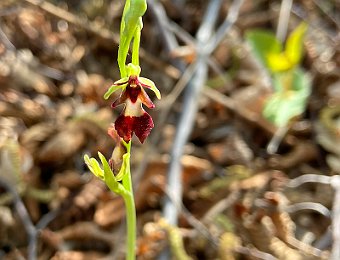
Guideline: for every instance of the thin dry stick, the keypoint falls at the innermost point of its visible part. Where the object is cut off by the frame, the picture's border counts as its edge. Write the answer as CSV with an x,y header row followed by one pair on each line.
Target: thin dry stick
x,y
255,253
334,181
190,41
223,30
184,129
169,39
277,139
25,218
202,59
220,206
336,219
192,220
286,6
4,39
192,93
306,178
334,19
308,206
187,118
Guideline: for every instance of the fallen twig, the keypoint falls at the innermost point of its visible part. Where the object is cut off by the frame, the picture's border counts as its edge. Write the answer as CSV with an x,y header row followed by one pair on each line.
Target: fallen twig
x,y
282,27
25,218
334,181
190,108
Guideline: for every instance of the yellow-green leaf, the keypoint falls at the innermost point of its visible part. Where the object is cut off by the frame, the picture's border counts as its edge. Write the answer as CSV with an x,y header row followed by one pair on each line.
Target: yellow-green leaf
x,y
94,167
278,62
119,84
294,44
263,43
109,177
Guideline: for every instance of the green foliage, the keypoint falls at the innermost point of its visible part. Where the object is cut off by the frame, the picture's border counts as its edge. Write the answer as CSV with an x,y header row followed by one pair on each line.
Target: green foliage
x,y
290,97
271,52
291,84
263,43
294,45
292,54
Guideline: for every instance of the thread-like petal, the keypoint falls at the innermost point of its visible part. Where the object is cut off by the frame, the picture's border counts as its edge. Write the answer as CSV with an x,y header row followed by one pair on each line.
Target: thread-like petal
x,y
120,100
144,97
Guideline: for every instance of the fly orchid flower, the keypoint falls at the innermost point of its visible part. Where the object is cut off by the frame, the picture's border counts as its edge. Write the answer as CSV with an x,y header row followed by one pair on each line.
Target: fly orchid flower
x,y
133,119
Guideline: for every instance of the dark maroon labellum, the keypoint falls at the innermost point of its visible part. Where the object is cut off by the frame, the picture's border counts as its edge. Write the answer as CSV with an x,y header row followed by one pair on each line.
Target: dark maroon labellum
x,y
127,125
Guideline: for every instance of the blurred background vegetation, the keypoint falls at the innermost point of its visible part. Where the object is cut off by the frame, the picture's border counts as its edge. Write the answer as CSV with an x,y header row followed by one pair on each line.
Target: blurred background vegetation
x,y
250,112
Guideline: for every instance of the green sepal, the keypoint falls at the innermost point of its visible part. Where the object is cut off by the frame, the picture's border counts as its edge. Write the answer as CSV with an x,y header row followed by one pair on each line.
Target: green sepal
x,y
104,174
123,168
119,84
151,85
94,167
109,177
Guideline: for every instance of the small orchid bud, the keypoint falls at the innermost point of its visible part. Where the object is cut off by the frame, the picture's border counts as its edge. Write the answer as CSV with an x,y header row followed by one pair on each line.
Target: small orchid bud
x,y
116,159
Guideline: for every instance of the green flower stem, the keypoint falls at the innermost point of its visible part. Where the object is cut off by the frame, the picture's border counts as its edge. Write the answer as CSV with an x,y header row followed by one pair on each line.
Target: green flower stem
x,y
130,210
130,224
